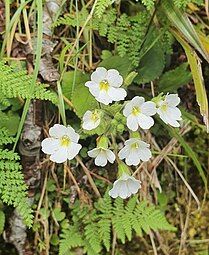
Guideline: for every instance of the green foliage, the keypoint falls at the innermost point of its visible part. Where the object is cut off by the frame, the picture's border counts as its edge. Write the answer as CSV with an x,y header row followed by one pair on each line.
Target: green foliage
x,y
91,228
151,65
17,83
101,6
170,81
13,189
2,221
83,100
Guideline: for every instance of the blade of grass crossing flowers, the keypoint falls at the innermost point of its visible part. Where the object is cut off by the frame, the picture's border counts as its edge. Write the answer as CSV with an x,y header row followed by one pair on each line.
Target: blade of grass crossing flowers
x,y
181,22
36,65
196,70
61,104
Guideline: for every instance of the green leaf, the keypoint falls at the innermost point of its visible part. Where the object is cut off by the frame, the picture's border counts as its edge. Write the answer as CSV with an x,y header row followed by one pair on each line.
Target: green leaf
x,y
58,214
183,25
68,79
2,221
173,79
151,65
83,100
196,70
10,121
122,64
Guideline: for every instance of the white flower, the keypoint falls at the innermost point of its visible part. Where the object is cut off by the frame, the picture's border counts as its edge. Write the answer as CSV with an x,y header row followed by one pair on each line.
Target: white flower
x,y
134,151
62,144
105,85
101,156
168,111
138,113
125,186
91,120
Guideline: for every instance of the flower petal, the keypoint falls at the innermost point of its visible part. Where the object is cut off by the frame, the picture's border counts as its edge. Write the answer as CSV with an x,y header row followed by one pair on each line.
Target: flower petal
x,y
133,158
93,88
110,156
172,99
103,97
70,132
50,145
114,78
133,185
127,109
132,122
144,154
117,94
124,152
137,101
144,121
73,150
94,153
123,190
101,159
148,108
57,131
60,155
99,75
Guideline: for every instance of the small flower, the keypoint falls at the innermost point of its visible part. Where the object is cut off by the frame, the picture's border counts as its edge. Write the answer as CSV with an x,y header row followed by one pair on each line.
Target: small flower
x,y
138,113
62,145
125,186
168,111
105,85
134,151
91,120
101,155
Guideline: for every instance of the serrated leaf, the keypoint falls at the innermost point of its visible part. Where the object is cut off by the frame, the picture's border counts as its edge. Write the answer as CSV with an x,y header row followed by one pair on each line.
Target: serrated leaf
x,y
122,64
151,65
83,100
170,81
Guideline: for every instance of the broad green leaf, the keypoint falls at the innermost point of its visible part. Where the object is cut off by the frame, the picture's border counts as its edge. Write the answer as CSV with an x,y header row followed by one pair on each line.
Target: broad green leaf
x,y
170,81
189,152
68,79
196,70
151,65
83,100
183,25
122,64
10,121
2,221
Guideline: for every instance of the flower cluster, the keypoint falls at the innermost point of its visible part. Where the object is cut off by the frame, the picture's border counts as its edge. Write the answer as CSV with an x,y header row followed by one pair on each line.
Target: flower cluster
x,y
105,86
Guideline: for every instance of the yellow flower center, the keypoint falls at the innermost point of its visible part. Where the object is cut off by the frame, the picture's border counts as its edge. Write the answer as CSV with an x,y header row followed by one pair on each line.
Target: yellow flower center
x,y
95,116
104,85
164,107
135,111
65,141
135,146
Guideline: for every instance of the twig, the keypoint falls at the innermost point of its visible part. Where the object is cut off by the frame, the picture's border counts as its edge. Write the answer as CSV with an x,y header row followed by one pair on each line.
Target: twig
x,y
87,172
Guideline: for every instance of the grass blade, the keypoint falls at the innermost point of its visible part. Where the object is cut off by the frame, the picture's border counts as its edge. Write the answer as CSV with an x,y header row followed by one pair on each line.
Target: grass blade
x,y
196,70
181,22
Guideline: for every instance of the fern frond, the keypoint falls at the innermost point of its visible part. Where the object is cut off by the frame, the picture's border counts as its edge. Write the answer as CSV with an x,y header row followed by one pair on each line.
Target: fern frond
x,y
70,238
13,190
17,83
101,6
